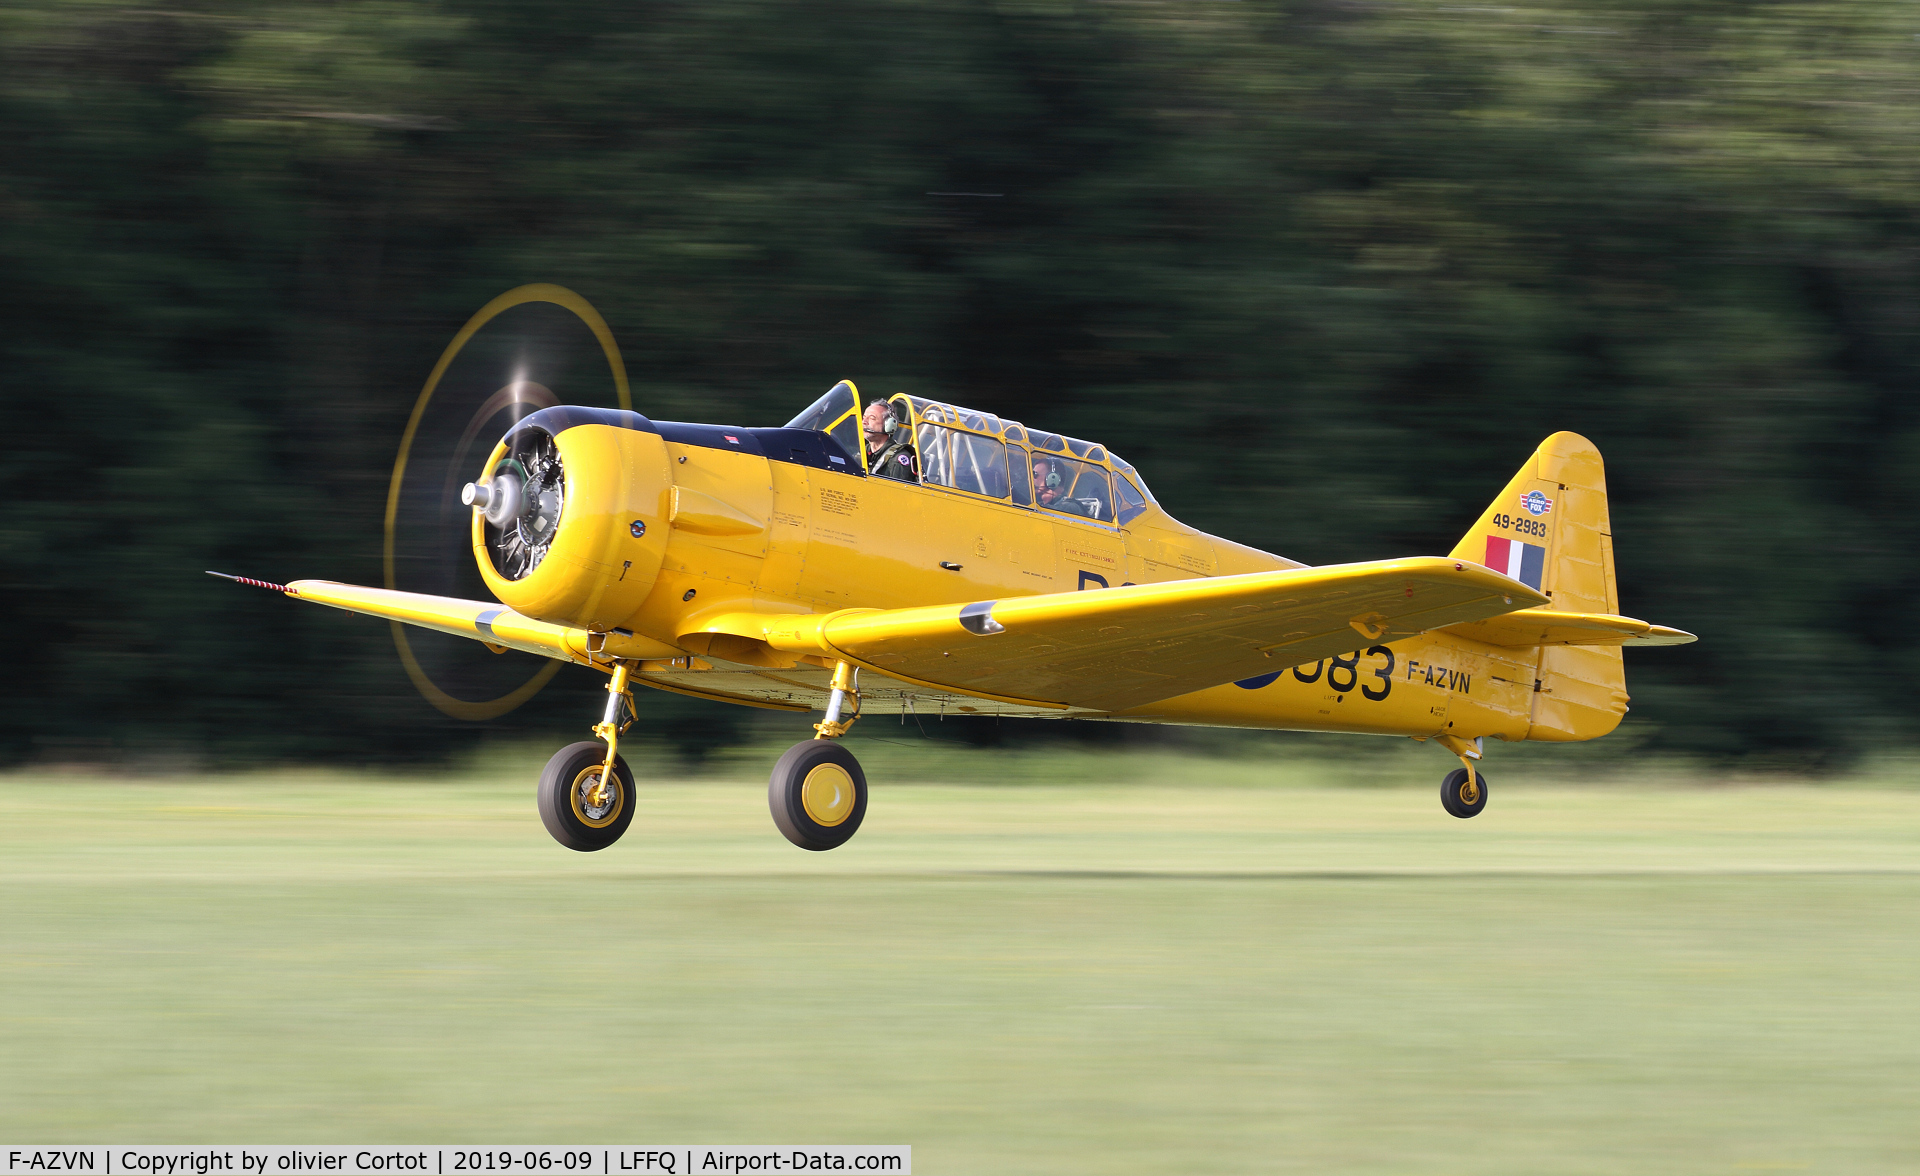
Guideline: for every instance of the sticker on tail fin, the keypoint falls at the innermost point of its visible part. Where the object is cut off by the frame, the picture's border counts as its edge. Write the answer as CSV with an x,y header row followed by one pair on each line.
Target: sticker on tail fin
x,y
1523,561
1536,503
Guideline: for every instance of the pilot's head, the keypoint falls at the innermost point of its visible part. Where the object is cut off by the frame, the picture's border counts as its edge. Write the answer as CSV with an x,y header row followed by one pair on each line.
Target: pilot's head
x,y
874,422
1049,480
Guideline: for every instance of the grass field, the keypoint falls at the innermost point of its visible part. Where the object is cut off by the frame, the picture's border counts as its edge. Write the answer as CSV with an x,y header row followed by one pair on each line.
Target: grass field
x,y
1178,967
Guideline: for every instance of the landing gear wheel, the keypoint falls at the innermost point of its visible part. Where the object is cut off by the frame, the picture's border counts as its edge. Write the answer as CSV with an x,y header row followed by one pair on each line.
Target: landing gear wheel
x,y
1463,798
818,794
568,807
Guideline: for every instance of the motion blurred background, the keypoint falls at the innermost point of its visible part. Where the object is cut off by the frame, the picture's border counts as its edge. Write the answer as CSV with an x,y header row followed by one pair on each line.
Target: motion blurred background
x,y
1325,271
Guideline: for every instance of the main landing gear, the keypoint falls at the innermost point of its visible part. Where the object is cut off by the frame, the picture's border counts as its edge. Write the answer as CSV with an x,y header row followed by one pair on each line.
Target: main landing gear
x,y
817,792
586,792
1464,792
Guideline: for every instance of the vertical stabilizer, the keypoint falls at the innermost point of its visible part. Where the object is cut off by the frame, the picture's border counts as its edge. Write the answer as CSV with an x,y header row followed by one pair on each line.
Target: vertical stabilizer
x,y
1549,529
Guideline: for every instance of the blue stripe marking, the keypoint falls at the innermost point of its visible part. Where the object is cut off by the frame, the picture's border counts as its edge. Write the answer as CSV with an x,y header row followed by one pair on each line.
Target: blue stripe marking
x,y
1533,562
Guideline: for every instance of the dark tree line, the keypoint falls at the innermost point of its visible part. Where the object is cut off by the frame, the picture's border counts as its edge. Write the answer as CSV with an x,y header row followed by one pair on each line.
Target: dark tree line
x,y
1325,271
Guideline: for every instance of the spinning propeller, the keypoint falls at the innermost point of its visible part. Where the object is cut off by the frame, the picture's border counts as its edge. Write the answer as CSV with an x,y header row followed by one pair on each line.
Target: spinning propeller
x,y
531,348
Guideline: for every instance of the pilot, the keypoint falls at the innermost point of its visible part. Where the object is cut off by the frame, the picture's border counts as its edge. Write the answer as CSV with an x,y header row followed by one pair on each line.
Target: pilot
x,y
1051,480
887,457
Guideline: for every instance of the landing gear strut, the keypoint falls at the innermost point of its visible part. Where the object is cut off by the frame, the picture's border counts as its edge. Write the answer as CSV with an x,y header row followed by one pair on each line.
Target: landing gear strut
x,y
817,792
585,794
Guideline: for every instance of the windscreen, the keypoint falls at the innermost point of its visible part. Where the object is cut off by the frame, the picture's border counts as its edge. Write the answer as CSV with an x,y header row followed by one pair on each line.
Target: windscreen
x,y
822,414
837,414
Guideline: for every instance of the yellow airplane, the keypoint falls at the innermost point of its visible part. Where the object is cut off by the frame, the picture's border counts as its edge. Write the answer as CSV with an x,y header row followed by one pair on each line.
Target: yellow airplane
x,y
987,567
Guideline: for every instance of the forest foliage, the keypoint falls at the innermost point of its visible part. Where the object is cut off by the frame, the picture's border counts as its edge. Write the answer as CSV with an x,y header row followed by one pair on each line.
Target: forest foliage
x,y
1325,271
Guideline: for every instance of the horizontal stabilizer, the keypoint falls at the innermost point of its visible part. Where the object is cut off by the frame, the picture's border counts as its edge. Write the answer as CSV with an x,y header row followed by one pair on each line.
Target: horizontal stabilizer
x,y
1546,626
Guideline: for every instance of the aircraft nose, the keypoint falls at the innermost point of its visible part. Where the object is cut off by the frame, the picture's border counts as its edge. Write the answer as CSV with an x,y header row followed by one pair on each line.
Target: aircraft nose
x,y
563,493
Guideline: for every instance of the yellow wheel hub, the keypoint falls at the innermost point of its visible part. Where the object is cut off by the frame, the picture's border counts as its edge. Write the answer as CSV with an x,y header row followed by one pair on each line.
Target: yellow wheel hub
x,y
1470,788
594,806
827,795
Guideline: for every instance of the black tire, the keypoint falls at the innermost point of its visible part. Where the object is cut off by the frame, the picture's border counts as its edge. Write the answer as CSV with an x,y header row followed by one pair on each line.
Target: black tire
x,y
1452,788
829,813
564,781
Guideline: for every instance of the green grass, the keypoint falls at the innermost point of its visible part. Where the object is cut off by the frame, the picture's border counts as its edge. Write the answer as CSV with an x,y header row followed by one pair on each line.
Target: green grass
x,y
1094,963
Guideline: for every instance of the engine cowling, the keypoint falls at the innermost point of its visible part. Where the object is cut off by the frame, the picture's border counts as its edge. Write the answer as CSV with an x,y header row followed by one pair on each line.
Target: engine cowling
x,y
569,521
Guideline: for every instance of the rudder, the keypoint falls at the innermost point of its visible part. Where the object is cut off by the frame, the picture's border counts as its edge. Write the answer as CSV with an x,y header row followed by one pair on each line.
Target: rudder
x,y
1550,529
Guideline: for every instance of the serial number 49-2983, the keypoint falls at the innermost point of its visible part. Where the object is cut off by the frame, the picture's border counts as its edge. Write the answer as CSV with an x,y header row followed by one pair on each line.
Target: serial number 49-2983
x,y
1525,526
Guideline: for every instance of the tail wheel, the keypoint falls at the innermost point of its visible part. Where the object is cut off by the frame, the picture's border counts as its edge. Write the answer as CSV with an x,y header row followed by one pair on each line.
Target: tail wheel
x,y
818,794
573,807
1463,797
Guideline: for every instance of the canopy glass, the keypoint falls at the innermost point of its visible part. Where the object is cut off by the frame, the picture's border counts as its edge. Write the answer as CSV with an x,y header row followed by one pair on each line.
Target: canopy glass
x,y
979,453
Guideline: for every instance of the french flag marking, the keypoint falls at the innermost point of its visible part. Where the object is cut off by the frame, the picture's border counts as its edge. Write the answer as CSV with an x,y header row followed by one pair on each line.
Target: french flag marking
x,y
1523,561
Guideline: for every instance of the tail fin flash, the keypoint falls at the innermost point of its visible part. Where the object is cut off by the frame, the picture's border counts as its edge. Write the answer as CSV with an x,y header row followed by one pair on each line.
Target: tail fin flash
x,y
1549,529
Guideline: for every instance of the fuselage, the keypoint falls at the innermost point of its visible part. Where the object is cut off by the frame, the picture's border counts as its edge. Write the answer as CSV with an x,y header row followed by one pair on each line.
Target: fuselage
x,y
813,536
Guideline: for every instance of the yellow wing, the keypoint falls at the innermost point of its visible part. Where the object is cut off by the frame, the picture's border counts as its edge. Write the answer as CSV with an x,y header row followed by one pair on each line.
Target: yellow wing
x,y
494,624
1545,626
1115,648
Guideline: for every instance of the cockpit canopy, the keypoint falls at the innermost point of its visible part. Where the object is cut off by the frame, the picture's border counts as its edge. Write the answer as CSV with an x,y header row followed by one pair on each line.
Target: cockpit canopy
x,y
982,454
